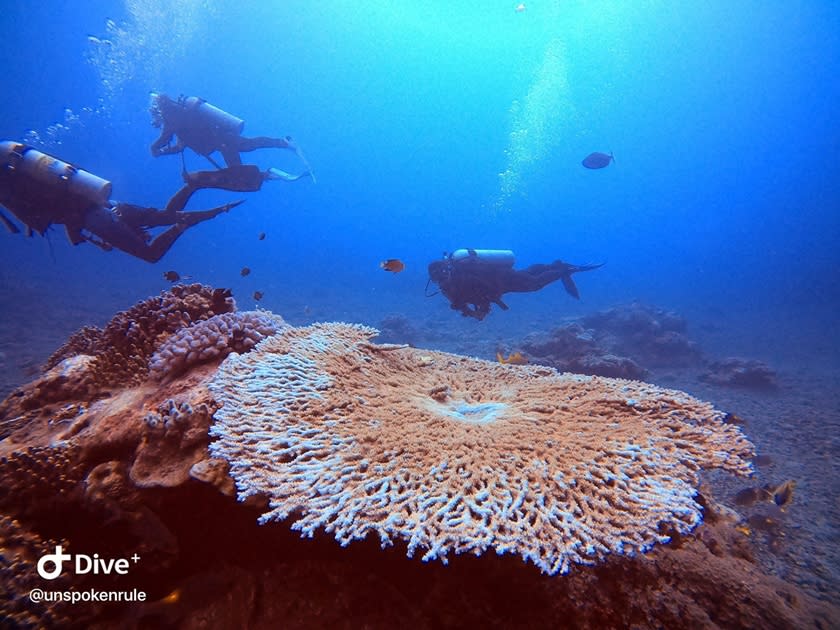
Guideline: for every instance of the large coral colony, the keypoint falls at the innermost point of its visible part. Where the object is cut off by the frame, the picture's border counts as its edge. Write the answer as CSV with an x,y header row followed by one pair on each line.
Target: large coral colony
x,y
325,429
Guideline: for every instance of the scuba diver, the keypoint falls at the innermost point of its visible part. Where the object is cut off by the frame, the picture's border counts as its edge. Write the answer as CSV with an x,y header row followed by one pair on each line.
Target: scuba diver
x,y
40,190
198,125
472,279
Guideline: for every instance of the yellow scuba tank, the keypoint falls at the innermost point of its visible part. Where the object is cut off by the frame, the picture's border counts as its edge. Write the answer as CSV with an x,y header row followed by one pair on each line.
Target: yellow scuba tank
x,y
50,171
501,257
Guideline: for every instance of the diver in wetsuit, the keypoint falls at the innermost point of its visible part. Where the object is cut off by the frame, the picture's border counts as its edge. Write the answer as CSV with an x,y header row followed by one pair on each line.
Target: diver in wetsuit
x,y
40,191
472,279
197,125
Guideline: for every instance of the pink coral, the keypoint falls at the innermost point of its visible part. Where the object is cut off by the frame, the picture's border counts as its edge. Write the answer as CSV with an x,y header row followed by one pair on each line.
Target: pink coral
x,y
122,349
211,339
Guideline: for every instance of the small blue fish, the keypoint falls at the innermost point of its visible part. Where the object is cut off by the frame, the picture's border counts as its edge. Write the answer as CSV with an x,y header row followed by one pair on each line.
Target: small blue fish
x,y
598,160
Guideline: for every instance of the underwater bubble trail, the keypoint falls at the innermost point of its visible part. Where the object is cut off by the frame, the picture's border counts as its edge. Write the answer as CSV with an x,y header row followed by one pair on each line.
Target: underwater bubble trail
x,y
536,123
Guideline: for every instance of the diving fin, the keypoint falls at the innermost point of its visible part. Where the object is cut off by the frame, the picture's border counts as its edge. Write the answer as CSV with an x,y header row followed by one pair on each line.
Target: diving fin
x,y
570,287
306,164
567,281
9,225
276,173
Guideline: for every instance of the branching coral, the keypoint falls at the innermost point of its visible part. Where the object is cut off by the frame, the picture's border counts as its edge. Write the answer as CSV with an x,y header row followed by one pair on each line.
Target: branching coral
x,y
452,454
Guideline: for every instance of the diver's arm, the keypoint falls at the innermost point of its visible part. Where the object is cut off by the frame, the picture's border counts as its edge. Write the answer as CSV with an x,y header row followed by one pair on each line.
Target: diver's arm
x,y
161,145
107,247
498,302
74,234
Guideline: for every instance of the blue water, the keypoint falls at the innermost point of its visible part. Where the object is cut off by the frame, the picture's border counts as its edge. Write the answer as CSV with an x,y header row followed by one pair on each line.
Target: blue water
x,y
437,125
433,126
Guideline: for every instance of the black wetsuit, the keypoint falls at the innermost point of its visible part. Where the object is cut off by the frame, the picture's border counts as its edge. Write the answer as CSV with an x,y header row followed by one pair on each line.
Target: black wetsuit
x,y
471,285
180,119
38,205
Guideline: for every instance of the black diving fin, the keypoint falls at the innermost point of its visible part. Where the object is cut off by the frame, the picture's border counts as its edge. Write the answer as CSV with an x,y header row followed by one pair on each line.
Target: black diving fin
x,y
569,284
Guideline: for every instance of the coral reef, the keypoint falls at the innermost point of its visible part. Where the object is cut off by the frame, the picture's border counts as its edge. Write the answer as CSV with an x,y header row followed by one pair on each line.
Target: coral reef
x,y
72,378
651,336
174,439
571,348
463,455
212,339
131,472
735,372
122,349
20,550
49,476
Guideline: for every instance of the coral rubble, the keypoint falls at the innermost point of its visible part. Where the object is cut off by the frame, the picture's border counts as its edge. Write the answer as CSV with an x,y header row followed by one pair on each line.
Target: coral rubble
x,y
571,348
735,372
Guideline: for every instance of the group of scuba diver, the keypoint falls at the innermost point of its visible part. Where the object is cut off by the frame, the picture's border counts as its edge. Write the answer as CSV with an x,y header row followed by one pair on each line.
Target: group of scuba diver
x,y
40,190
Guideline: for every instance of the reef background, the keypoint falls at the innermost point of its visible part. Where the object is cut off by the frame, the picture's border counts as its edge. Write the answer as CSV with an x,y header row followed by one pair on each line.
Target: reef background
x,y
462,125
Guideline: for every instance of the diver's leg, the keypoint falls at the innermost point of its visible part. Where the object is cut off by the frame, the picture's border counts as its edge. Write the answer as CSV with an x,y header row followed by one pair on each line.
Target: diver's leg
x,y
242,178
198,216
112,230
535,277
155,250
174,212
530,279
179,200
140,216
245,145
230,154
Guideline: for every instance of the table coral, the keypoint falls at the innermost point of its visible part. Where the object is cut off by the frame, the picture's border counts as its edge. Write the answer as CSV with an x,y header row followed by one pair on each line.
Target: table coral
x,y
462,455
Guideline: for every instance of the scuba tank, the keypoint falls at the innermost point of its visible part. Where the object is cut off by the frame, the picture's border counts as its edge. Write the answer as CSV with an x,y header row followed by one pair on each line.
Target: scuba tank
x,y
49,171
501,257
212,116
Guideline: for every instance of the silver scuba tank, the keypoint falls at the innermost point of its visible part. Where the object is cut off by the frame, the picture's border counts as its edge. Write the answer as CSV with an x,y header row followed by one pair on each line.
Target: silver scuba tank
x,y
51,171
501,257
213,116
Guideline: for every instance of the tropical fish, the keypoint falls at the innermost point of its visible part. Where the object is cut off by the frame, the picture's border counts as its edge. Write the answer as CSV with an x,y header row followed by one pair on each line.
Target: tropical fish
x,y
261,236
598,160
394,265
258,295
783,493
751,495
762,460
731,418
514,358
172,276
245,271
220,300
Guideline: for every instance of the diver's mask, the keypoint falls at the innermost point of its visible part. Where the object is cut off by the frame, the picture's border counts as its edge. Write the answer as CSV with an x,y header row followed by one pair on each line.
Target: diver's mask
x,y
440,271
